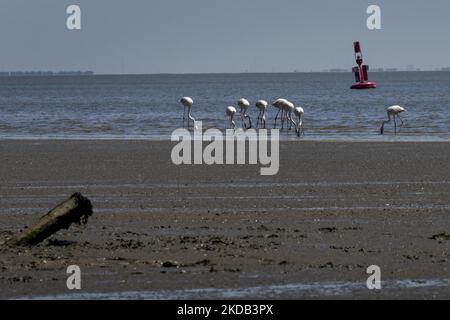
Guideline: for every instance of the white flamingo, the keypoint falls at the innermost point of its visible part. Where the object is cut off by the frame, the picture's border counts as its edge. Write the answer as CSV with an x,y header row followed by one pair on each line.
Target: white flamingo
x,y
262,106
393,113
243,104
279,103
288,110
230,112
299,113
187,103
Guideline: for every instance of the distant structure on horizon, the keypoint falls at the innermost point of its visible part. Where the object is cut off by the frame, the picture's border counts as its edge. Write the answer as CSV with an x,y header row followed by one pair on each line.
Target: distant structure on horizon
x,y
45,73
338,70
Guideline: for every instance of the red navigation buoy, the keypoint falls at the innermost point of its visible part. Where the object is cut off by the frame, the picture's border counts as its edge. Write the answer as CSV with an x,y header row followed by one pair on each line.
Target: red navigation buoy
x,y
361,71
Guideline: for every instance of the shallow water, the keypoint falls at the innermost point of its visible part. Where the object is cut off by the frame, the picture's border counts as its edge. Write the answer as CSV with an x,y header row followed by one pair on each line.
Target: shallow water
x,y
146,107
297,290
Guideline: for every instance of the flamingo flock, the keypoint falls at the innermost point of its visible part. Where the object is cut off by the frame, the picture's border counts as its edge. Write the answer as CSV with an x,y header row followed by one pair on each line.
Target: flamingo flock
x,y
289,115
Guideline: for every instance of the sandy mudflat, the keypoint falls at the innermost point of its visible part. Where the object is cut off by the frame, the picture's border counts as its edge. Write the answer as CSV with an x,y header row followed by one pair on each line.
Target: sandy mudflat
x,y
162,231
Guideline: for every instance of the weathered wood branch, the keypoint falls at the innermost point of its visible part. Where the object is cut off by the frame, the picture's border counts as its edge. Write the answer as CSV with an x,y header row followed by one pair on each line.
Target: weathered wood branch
x,y
77,209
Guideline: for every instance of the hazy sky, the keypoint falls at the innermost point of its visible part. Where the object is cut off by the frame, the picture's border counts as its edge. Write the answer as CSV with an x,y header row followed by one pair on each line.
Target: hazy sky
x,y
183,36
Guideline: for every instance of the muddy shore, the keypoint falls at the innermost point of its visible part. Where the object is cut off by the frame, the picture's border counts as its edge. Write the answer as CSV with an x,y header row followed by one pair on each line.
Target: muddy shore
x,y
166,231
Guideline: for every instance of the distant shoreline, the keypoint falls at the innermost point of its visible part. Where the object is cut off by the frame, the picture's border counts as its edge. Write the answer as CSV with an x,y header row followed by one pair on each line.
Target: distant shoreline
x,y
91,73
45,73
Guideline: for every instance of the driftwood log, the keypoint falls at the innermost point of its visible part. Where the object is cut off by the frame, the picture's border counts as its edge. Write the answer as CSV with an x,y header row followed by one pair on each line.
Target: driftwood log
x,y
77,209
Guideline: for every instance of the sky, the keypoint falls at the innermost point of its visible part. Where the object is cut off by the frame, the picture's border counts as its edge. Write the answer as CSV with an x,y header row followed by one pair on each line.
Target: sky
x,y
203,36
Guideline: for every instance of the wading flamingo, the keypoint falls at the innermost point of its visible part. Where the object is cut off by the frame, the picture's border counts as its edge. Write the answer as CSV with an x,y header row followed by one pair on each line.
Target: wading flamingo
x,y
243,104
299,113
288,108
230,112
279,105
393,113
187,103
262,106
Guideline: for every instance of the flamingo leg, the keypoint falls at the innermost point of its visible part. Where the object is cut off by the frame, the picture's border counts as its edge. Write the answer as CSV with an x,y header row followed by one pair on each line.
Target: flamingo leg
x,y
402,122
187,121
395,125
286,120
276,118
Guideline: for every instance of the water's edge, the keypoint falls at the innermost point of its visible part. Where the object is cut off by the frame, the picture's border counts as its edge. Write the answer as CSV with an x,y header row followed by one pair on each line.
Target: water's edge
x,y
297,290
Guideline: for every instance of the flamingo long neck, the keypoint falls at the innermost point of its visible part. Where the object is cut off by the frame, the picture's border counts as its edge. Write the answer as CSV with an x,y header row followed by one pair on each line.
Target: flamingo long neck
x,y
232,121
390,117
249,121
300,120
298,124
190,114
289,116
385,122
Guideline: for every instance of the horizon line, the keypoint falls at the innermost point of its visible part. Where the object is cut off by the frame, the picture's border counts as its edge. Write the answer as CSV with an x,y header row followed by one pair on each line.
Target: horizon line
x,y
92,73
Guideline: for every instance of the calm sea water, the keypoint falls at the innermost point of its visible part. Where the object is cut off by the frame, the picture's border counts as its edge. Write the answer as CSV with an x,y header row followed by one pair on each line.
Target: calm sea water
x,y
147,107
